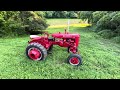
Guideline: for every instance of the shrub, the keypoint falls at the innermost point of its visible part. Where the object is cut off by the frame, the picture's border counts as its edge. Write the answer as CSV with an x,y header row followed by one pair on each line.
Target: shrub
x,y
72,14
104,22
56,14
86,15
115,20
106,33
9,21
33,21
49,14
116,39
97,15
117,31
63,14
40,13
107,21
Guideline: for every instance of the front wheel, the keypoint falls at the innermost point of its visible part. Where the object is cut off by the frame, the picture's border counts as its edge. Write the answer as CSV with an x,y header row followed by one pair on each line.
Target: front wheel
x,y
74,59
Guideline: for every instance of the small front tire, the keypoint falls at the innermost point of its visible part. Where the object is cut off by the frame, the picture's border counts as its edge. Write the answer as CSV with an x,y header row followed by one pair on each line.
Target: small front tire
x,y
74,59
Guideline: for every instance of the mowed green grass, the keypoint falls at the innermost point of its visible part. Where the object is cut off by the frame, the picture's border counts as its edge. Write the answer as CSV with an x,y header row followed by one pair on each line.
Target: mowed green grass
x,y
101,59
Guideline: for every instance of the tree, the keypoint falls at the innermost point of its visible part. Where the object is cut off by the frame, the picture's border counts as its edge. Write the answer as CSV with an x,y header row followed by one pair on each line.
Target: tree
x,y
97,15
72,14
32,21
86,15
48,14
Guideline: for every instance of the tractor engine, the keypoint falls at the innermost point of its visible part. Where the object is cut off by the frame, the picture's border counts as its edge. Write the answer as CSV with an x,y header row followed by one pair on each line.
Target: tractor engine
x,y
67,40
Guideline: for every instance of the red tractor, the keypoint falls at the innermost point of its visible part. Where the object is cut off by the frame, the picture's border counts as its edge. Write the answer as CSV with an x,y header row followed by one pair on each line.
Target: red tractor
x,y
39,46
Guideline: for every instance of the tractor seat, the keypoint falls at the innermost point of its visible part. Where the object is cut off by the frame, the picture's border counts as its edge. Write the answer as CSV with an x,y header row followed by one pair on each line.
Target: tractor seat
x,y
34,36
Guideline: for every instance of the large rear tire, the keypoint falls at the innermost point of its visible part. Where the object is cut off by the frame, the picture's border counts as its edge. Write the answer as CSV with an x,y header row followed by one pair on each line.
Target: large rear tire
x,y
36,52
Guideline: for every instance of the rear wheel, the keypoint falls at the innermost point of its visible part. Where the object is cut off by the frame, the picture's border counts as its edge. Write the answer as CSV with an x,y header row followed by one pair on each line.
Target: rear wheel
x,y
74,59
36,51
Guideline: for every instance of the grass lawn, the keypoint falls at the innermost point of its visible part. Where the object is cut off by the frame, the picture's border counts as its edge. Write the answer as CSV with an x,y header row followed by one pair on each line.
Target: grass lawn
x,y
101,58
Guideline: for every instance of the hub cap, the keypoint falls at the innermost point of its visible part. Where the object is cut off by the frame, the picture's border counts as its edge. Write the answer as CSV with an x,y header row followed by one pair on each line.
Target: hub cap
x,y
74,61
34,54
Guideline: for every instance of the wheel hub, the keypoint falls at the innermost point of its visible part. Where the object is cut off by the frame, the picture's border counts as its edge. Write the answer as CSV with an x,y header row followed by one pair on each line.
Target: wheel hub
x,y
74,61
34,54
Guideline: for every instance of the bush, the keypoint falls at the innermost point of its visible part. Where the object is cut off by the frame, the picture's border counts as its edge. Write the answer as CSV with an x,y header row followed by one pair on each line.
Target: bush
x,y
49,14
116,39
56,14
109,25
115,20
32,21
104,22
14,23
97,15
60,14
63,14
108,21
40,13
9,21
72,14
13,27
86,15
106,33
2,21
117,31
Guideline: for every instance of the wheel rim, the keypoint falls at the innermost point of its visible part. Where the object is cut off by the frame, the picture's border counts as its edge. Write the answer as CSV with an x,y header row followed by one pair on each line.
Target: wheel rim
x,y
74,61
35,54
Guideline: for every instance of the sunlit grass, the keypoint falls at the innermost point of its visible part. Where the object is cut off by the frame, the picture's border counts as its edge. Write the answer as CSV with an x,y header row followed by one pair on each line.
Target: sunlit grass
x,y
72,25
63,23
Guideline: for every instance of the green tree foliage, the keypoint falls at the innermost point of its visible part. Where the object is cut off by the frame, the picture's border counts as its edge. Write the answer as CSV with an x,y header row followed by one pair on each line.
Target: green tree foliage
x,y
32,21
72,14
86,15
108,25
57,14
97,15
108,21
9,22
106,33
61,14
18,22
48,14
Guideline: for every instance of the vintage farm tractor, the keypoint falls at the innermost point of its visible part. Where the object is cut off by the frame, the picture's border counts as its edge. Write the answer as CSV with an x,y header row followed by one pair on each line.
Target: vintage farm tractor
x,y
39,46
